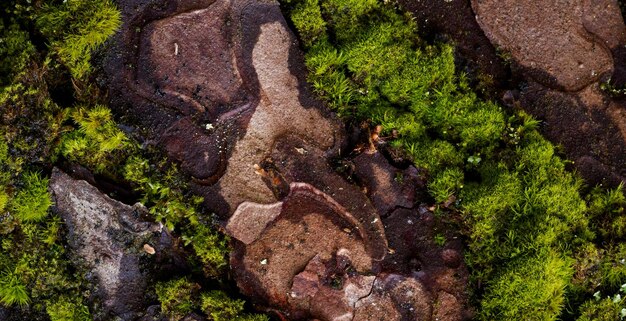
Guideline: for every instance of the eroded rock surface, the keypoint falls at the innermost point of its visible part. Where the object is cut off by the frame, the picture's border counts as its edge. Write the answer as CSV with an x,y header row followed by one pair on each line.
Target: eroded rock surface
x,y
549,39
220,86
108,238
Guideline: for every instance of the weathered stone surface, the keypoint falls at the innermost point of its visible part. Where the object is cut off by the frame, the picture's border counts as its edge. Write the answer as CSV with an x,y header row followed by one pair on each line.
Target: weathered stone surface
x,y
216,83
548,38
389,187
220,86
107,238
309,225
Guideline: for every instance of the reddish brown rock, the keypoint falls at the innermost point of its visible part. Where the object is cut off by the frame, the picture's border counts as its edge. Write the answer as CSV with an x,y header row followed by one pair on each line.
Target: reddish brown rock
x,y
220,86
387,186
310,224
549,39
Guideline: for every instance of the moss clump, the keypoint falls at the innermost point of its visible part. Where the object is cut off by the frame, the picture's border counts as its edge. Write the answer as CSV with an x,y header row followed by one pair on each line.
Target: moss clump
x,y
12,291
66,309
97,143
178,297
76,28
528,289
31,203
16,51
219,307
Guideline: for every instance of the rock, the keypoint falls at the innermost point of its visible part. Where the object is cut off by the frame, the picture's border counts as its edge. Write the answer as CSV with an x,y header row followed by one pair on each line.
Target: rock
x,y
387,186
549,40
107,238
310,224
219,107
220,86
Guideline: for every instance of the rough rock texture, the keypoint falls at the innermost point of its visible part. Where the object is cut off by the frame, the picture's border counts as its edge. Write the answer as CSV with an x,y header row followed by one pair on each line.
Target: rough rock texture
x,y
220,86
108,238
548,37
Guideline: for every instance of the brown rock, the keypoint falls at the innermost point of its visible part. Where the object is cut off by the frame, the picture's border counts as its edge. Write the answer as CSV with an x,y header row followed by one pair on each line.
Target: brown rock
x,y
451,258
548,39
387,186
220,86
310,224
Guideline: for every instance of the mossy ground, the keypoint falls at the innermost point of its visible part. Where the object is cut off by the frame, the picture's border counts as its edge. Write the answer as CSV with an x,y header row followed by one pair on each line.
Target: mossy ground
x,y
54,114
540,244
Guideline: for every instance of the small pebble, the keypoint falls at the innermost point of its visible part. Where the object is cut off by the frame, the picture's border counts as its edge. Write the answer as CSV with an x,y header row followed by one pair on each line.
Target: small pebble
x,y
148,249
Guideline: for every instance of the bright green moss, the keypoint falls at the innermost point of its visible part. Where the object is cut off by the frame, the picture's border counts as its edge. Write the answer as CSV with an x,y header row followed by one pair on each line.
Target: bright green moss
x,y
219,307
307,17
445,184
97,143
605,309
76,28
12,291
31,203
163,193
210,246
531,288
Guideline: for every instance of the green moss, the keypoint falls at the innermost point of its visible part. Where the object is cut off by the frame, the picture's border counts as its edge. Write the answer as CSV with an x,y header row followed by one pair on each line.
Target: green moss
x,y
12,291
219,307
163,192
32,202
97,143
529,289
178,297
445,184
601,310
210,246
66,309
76,28
308,19
16,51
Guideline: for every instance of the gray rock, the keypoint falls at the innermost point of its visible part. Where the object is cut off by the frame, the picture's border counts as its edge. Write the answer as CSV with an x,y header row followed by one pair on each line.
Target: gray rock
x,y
107,238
